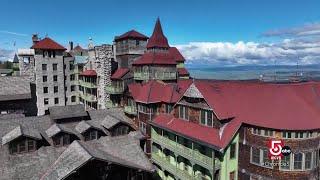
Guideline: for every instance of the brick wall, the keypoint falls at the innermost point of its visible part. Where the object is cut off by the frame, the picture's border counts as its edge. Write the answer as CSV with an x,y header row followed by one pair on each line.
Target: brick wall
x,y
247,139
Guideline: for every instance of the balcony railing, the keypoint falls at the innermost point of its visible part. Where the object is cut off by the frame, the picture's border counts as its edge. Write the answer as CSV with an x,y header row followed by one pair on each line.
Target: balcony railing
x,y
88,97
130,110
110,104
111,89
87,84
174,170
141,75
165,75
186,152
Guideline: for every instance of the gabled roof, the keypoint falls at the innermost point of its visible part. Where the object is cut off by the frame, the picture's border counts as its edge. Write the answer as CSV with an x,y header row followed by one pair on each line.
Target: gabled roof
x,y
131,34
56,129
15,88
78,48
18,132
158,39
268,105
157,91
70,111
213,137
48,43
183,72
193,92
122,150
82,127
119,73
89,73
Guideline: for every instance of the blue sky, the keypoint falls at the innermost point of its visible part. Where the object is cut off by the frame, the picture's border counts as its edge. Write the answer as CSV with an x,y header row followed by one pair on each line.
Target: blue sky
x,y
184,22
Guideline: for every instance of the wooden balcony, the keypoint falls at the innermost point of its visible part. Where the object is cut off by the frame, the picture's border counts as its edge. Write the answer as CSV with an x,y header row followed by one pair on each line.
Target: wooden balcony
x,y
130,110
141,75
111,89
87,84
192,155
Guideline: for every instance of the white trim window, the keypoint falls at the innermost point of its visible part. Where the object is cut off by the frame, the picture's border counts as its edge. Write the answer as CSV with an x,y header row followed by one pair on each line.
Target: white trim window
x,y
143,127
260,157
142,108
262,132
206,117
183,112
299,161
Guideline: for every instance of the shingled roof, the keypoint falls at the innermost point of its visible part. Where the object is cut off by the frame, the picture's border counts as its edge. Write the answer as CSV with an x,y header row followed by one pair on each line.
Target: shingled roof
x,y
131,34
56,129
14,88
48,43
71,111
20,131
158,39
157,91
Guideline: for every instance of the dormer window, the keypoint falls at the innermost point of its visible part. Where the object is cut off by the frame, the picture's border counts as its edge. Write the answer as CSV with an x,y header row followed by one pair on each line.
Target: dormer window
x,y
22,146
183,112
206,117
61,140
91,135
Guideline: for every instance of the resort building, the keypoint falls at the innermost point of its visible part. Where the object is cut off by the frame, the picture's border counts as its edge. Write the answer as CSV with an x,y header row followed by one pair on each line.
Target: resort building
x,y
221,130
71,143
51,70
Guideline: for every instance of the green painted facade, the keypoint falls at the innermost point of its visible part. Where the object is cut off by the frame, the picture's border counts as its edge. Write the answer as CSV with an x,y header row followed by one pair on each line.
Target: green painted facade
x,y
229,165
195,164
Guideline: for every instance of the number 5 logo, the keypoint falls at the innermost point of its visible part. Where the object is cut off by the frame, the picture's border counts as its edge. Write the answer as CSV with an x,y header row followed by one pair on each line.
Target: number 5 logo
x,y
275,147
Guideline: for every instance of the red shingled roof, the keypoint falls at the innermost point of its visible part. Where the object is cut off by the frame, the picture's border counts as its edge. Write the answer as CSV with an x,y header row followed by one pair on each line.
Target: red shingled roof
x,y
131,34
89,73
158,39
216,138
78,48
119,73
277,106
48,43
176,54
157,58
171,57
183,72
157,91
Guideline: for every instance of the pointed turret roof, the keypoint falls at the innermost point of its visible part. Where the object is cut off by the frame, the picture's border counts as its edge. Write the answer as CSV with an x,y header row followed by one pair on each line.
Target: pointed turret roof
x,y
158,39
15,59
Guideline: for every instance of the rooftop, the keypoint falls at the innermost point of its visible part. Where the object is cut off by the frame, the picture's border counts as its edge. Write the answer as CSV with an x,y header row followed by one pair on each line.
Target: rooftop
x,y
14,88
48,43
131,34
158,39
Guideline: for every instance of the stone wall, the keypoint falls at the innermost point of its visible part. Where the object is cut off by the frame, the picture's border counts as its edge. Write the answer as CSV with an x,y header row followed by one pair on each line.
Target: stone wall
x,y
39,60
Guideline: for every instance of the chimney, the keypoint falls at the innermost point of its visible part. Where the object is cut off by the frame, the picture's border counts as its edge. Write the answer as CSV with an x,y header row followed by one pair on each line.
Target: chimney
x,y
70,45
35,38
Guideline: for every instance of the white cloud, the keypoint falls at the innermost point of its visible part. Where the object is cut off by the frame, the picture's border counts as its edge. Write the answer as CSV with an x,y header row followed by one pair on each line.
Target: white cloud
x,y
310,29
6,55
286,52
12,33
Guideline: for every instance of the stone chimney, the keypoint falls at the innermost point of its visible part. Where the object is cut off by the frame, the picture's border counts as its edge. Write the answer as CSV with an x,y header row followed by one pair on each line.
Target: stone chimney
x,y
35,38
70,45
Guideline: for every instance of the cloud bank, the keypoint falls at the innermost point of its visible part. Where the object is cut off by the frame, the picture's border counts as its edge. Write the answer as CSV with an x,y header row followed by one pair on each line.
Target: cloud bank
x,y
302,45
6,55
